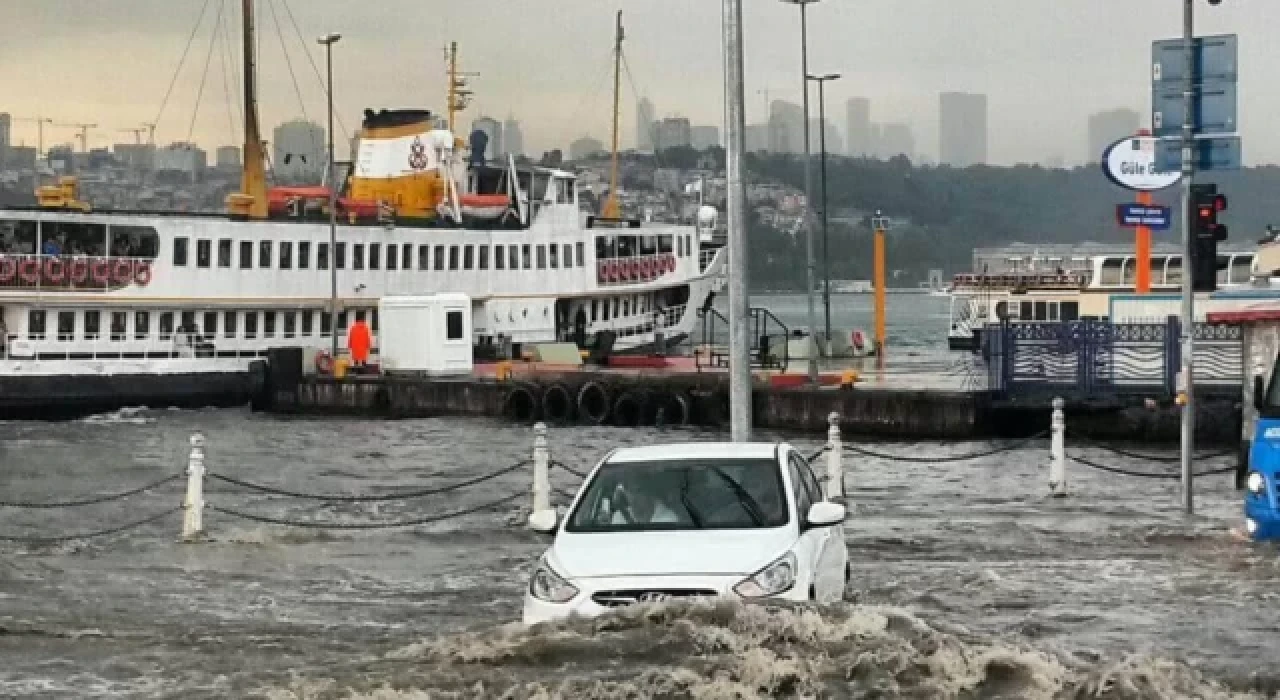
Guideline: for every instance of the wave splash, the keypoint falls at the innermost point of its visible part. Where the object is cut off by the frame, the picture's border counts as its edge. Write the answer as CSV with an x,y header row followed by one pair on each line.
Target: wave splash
x,y
723,651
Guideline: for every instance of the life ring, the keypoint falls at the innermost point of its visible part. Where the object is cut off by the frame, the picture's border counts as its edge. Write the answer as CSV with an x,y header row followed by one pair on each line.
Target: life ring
x,y
634,267
671,262
142,275
624,270
646,268
613,271
101,271
55,270
79,271
8,269
602,271
859,340
29,270
324,363
123,272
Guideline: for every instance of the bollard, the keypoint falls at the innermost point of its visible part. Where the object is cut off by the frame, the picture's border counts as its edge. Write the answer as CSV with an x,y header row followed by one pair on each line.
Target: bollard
x,y
193,504
835,459
541,469
1058,450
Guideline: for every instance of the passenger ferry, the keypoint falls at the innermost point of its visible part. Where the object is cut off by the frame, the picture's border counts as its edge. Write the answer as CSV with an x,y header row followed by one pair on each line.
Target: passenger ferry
x,y
1103,289
109,308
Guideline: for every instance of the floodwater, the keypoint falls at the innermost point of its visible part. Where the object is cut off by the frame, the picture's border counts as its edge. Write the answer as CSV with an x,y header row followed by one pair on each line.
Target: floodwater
x,y
969,583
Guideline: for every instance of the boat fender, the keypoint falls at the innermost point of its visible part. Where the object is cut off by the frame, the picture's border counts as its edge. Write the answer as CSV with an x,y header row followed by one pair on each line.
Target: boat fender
x,y
629,409
79,272
602,271
55,270
520,405
143,274
557,404
123,272
29,270
593,403
324,363
8,269
101,270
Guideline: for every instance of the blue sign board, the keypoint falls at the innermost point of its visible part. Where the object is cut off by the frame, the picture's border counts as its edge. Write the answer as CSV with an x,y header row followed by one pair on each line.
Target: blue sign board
x,y
1153,217
1207,153
1214,59
1213,109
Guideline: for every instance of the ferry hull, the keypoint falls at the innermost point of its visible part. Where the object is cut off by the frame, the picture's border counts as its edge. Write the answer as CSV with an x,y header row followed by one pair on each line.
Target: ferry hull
x,y
62,397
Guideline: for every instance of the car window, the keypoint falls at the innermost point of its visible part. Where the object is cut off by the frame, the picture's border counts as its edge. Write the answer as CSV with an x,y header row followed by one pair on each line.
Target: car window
x,y
807,478
682,495
802,499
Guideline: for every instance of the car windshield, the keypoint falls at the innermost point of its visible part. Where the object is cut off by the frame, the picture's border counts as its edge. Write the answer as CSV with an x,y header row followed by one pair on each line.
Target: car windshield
x,y
682,495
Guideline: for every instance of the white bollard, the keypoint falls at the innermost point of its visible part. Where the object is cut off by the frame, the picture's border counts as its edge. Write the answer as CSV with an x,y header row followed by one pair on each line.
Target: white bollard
x,y
835,458
1058,450
541,469
193,504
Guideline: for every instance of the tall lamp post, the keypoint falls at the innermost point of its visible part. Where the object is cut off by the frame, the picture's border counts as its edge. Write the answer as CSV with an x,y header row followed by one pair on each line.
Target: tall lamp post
x,y
821,80
808,187
328,40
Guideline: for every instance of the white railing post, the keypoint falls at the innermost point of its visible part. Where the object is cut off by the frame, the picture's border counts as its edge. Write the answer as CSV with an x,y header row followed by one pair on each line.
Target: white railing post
x,y
1058,450
541,469
835,458
193,504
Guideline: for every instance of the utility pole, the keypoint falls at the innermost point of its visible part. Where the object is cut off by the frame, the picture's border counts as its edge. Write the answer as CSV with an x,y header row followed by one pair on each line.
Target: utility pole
x,y
1188,293
735,126
328,41
822,80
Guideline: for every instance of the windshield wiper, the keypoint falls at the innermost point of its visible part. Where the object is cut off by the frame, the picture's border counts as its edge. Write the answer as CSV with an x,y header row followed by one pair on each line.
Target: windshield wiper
x,y
688,503
748,503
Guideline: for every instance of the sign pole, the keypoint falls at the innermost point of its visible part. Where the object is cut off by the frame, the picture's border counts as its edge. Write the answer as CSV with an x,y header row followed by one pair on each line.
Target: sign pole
x,y
739,313
1188,298
1142,251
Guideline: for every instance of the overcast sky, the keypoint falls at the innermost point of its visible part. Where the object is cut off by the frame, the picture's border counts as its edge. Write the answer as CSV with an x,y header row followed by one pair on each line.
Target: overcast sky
x,y
1046,64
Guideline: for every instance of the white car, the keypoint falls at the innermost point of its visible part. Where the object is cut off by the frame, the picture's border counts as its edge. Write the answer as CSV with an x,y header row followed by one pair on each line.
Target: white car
x,y
747,521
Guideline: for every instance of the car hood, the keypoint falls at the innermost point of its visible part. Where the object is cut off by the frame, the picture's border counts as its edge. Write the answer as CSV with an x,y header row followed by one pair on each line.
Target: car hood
x,y
739,552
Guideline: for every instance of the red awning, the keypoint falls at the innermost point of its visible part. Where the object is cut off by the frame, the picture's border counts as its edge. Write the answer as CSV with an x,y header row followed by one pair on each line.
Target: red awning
x,y
1254,314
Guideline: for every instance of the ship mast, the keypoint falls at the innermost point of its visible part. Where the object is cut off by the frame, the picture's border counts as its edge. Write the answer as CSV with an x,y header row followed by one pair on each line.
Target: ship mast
x,y
251,200
459,96
611,209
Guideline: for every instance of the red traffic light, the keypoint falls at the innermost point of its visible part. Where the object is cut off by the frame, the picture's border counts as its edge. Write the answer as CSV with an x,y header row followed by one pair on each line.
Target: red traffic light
x,y
1220,202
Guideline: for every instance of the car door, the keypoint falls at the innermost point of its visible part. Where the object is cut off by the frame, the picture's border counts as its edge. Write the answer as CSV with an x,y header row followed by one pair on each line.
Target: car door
x,y
831,553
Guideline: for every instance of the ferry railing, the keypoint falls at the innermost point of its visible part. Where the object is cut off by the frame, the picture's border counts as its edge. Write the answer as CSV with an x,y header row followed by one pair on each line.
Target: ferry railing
x,y
97,273
657,321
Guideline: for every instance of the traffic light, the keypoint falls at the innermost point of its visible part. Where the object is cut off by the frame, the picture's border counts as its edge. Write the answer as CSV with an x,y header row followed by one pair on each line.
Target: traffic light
x,y
1206,234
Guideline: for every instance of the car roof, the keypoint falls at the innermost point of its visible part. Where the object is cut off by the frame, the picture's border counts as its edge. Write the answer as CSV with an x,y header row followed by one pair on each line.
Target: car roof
x,y
695,450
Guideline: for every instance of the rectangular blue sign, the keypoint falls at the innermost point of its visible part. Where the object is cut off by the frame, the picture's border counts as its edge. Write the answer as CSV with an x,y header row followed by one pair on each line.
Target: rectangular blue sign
x,y
1208,153
1134,215
1213,109
1214,58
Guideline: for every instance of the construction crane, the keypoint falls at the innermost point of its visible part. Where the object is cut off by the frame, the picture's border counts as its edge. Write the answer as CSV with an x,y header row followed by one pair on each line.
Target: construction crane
x,y
84,133
151,132
40,122
137,134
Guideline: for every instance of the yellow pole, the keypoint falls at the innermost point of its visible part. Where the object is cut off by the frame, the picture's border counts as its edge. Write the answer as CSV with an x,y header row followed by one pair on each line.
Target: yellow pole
x,y
879,286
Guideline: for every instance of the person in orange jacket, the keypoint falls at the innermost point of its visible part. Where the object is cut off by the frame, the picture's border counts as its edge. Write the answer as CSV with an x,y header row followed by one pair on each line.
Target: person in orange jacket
x,y
358,342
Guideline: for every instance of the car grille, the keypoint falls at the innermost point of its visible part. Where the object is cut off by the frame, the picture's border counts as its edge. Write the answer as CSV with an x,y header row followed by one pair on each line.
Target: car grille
x,y
619,598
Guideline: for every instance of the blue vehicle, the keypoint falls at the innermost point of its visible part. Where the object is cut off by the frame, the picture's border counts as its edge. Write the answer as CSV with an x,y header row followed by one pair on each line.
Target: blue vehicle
x,y
1262,483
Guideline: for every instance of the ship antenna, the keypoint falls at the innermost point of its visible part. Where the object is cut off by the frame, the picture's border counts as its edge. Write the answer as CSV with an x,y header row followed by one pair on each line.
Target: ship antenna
x,y
611,209
459,96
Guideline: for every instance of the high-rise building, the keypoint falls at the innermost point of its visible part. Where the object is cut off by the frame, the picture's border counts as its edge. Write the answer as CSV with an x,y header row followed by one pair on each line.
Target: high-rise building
x,y
584,148
299,153
1105,128
493,129
137,156
6,126
673,132
512,138
896,140
644,125
786,127
962,129
227,158
858,126
704,137
185,159
757,138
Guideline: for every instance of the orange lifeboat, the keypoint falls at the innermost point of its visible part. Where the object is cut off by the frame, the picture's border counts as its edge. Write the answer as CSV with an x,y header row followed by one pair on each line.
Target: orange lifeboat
x,y
484,206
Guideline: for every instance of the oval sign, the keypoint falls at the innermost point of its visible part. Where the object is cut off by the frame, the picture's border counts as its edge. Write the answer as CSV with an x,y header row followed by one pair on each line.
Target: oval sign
x,y
1131,164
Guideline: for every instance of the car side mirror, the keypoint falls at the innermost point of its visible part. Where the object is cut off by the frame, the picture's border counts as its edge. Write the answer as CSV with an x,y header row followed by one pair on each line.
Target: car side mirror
x,y
1259,393
825,513
544,521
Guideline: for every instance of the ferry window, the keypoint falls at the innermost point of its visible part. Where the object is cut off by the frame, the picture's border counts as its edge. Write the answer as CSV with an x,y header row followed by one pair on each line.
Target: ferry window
x,y
188,322
92,324
1241,265
373,320
680,246
290,324
141,325
688,244
406,256
375,256
326,322
568,255
340,256
229,324
360,315
527,254
119,325
1070,311
484,257
342,322
322,256
68,238
304,255
17,237
1223,263
595,310
264,254
251,324
166,325
424,257
210,327
1042,311
468,257
1112,272
1173,271
1130,271
582,253
357,256
514,257
439,257
648,246
499,257
35,321
180,251
453,325
392,257
1026,311
453,257
626,306
224,252
134,242
554,258
204,252
664,244
1053,311
307,317
268,324
246,255
66,325
286,255
542,257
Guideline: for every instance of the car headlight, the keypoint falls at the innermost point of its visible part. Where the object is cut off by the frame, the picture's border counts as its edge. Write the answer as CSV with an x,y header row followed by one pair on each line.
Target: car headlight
x,y
547,585
1256,483
777,577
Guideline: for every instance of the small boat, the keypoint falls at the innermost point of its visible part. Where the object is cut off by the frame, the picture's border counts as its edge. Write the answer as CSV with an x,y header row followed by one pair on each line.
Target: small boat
x,y
485,207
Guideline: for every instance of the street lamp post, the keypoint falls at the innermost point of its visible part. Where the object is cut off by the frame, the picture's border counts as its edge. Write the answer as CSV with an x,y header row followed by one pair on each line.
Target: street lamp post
x,y
328,41
808,188
821,80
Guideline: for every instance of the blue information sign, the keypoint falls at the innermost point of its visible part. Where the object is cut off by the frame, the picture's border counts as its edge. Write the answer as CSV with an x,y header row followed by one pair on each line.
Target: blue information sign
x,y
1153,217
1214,58
1207,153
